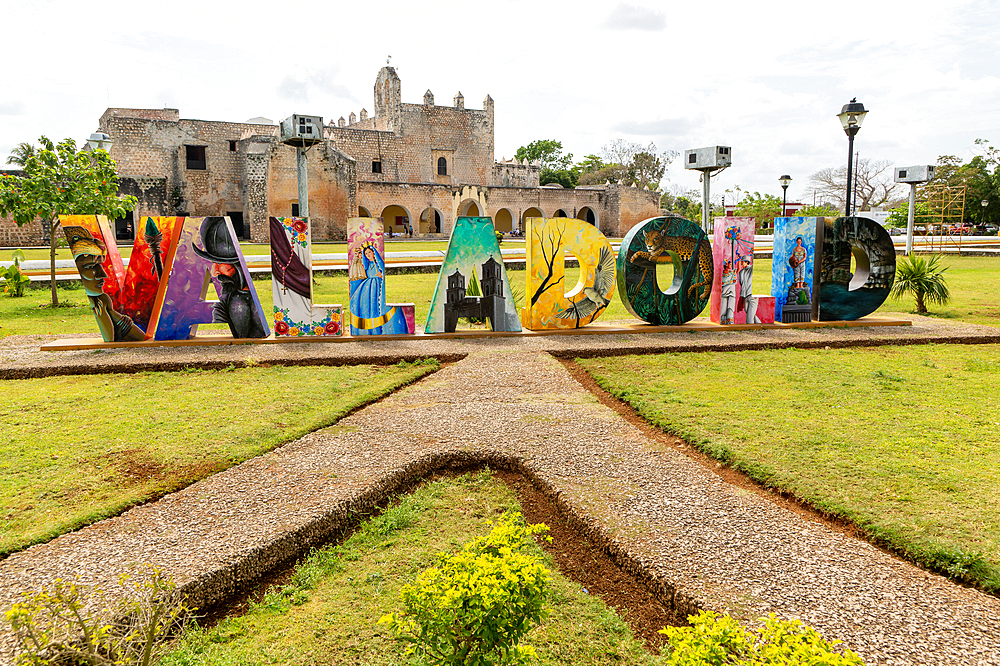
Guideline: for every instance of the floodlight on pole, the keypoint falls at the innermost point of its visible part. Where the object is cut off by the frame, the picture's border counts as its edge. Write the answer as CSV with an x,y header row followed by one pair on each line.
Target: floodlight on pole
x,y
302,132
851,117
913,175
707,160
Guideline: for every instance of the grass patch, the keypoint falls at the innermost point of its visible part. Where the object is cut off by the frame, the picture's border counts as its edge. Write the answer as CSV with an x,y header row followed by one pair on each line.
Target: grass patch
x,y
899,440
80,448
328,612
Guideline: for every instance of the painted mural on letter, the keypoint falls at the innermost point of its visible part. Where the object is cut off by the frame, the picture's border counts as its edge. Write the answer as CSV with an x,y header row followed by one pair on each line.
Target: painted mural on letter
x,y
207,253
295,314
794,266
844,296
370,314
90,254
548,305
146,272
661,240
473,281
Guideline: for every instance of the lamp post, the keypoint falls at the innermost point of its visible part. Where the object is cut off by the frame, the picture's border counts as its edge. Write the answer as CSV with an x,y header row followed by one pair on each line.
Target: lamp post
x,y
785,182
851,117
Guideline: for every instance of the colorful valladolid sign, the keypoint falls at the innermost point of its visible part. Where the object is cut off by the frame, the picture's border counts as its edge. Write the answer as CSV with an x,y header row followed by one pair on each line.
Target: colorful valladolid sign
x,y
163,293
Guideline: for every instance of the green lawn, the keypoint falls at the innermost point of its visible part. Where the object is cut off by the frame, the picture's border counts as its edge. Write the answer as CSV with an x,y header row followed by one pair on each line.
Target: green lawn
x,y
329,611
83,447
900,440
974,284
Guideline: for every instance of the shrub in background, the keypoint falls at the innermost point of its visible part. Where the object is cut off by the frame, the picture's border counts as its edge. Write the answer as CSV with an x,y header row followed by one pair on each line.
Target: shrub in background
x,y
723,641
61,626
474,607
14,280
924,278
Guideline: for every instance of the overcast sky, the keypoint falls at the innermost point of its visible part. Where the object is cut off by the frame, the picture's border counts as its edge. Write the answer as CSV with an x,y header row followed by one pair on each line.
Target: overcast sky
x,y
766,78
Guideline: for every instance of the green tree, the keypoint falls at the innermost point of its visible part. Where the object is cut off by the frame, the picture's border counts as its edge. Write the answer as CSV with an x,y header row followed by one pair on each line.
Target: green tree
x,y
643,166
59,180
899,216
763,207
556,167
924,278
589,164
609,173
565,177
820,210
20,154
981,178
547,152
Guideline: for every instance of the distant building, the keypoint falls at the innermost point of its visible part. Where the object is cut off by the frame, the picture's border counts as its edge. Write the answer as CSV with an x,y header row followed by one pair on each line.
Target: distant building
x,y
414,165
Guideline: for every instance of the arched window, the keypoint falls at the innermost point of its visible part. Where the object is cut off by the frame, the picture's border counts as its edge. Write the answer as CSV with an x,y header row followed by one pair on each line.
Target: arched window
x,y
442,166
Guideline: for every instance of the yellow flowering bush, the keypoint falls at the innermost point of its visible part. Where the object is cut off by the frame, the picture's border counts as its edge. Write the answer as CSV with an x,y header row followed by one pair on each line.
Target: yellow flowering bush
x,y
474,607
714,639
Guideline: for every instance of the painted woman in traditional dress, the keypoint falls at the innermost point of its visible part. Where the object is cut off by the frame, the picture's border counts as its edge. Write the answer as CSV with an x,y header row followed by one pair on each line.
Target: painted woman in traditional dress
x,y
367,275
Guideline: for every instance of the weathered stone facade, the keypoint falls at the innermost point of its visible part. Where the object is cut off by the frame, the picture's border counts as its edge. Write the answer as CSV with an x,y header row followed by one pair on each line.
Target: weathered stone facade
x,y
418,165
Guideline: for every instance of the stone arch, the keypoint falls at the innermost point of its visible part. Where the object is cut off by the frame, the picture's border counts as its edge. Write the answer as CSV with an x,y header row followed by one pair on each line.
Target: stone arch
x,y
530,212
364,212
430,221
503,220
560,213
588,215
469,208
396,219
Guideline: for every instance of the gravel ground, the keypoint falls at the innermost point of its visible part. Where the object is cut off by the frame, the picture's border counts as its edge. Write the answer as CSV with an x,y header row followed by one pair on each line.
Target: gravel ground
x,y
20,355
704,543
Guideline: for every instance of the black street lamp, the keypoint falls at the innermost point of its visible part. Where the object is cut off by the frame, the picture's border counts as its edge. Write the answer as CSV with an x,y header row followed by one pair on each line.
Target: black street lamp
x,y
785,182
851,117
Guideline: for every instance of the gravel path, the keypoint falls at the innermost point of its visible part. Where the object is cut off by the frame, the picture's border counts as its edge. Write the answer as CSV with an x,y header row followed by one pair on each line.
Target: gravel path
x,y
20,356
704,542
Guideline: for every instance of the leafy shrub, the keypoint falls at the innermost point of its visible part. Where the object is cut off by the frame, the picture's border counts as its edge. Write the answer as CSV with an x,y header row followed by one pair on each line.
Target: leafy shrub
x,y
712,639
924,278
59,626
474,607
14,280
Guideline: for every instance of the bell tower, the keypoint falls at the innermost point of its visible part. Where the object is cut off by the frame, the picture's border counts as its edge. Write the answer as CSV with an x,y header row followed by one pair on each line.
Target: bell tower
x,y
387,94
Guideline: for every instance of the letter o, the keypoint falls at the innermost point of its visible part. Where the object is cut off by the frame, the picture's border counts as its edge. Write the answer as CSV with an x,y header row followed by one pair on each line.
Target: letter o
x,y
661,240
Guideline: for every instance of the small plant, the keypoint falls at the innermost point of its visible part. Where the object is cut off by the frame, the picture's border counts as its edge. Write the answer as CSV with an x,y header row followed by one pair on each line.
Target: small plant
x,y
474,607
14,280
500,237
924,278
714,639
60,626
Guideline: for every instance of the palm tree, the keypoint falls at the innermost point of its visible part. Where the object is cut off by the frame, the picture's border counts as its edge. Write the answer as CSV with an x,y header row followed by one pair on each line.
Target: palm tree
x,y
924,278
19,156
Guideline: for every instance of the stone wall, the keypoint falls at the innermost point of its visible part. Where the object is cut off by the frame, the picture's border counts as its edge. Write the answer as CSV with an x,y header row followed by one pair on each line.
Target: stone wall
x,y
246,170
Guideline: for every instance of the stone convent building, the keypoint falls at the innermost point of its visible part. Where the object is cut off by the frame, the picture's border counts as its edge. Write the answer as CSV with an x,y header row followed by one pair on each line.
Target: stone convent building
x,y
417,166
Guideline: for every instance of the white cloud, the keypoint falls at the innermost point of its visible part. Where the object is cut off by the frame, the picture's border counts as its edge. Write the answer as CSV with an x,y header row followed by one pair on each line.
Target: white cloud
x,y
634,17
11,108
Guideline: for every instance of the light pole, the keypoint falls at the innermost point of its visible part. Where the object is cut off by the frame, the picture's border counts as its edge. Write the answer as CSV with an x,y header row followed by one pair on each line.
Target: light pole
x,y
785,182
851,117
